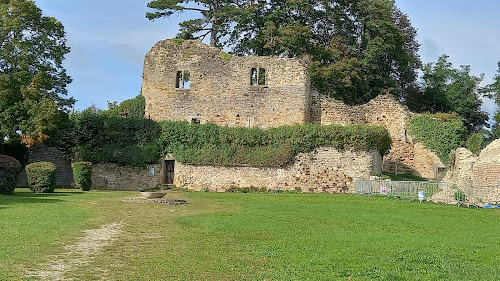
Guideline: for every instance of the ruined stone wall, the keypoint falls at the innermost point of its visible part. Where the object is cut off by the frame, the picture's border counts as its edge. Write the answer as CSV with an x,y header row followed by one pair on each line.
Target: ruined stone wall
x,y
468,169
113,176
323,170
220,90
406,155
43,153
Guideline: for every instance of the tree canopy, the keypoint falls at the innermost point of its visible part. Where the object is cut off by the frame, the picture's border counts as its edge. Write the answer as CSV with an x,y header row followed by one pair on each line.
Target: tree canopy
x,y
32,78
215,17
448,89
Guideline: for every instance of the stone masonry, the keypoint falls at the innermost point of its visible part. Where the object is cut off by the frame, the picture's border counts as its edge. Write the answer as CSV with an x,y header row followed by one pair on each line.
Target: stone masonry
x,y
406,154
323,170
220,90
468,169
43,153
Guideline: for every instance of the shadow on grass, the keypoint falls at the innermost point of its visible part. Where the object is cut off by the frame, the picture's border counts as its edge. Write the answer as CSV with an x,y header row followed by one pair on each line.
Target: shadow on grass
x,y
27,197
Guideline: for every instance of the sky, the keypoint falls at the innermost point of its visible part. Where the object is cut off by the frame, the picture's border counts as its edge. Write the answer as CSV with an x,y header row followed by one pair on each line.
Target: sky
x,y
110,38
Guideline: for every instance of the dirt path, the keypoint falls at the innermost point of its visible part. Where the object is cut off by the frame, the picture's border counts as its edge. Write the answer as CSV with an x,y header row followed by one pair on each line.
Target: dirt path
x,y
80,253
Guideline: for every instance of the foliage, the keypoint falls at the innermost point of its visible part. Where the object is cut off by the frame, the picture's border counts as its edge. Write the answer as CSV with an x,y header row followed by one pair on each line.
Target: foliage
x,y
215,17
213,145
16,150
493,91
98,137
440,136
475,143
9,170
82,173
32,77
447,89
402,177
359,49
41,177
459,196
131,108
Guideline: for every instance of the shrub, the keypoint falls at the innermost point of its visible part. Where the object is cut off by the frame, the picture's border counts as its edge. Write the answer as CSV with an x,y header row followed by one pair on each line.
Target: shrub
x,y
475,143
82,173
41,177
459,196
440,133
9,170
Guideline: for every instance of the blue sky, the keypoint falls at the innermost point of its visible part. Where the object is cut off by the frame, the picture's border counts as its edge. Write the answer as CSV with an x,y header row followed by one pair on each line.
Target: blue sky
x,y
109,40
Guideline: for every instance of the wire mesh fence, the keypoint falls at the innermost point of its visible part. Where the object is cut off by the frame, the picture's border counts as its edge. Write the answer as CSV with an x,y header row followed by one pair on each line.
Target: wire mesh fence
x,y
437,192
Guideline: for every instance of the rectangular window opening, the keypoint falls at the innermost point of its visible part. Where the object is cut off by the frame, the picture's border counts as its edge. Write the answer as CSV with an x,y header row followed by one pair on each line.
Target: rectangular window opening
x,y
262,76
182,79
253,77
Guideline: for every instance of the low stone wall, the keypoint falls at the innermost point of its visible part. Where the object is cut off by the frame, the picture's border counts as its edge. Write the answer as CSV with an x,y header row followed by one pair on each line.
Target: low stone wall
x,y
323,170
113,176
43,153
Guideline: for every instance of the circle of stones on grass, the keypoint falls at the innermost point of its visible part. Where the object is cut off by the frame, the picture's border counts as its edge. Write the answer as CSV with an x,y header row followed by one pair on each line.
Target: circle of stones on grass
x,y
161,201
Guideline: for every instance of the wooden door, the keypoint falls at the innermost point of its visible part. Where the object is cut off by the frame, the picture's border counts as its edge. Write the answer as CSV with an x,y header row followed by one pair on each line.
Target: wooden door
x,y
169,171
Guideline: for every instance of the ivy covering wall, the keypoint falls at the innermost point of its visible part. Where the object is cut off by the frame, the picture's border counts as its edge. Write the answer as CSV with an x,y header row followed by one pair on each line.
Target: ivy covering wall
x,y
439,132
100,137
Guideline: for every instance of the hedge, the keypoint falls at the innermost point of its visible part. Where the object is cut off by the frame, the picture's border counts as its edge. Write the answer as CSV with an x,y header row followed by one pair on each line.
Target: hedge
x,y
41,177
82,173
209,144
101,138
440,132
9,170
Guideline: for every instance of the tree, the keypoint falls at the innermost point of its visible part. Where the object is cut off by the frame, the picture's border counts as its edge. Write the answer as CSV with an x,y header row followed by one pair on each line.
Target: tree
x,y
447,89
32,78
215,18
359,48
493,91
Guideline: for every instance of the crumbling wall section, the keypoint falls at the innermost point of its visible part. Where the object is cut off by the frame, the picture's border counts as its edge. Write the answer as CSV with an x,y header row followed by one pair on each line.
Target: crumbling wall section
x,y
220,89
406,155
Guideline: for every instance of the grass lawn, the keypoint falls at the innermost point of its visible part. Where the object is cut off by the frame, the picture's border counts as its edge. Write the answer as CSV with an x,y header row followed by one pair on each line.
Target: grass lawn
x,y
235,236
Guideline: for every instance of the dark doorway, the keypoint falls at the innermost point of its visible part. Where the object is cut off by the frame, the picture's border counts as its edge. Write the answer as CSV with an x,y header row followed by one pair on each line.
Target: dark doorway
x,y
169,171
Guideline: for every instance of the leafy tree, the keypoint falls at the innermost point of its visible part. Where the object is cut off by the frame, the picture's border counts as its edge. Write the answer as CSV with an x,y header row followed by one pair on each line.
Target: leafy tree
x,y
493,91
215,17
131,108
447,89
32,78
359,48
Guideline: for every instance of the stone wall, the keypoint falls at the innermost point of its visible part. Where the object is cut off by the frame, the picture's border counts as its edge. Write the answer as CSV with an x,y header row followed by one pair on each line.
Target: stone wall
x,y
220,89
470,170
113,176
406,154
43,153
323,170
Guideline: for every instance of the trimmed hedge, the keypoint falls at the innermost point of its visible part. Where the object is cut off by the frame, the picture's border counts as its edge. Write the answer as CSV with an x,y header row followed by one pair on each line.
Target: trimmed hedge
x,y
9,170
440,132
209,144
82,173
101,138
41,177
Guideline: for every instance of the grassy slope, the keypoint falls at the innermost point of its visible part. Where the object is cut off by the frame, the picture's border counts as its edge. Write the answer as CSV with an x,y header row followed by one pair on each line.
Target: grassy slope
x,y
255,236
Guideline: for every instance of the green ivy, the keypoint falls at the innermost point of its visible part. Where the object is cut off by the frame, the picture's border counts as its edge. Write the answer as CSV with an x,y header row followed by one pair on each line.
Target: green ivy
x,y
209,144
439,133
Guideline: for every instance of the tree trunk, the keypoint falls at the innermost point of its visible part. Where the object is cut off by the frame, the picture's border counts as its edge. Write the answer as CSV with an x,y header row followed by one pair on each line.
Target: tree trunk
x,y
213,32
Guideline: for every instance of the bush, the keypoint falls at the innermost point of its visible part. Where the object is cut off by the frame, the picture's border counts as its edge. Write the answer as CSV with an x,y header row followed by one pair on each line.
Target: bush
x,y
82,173
9,170
475,143
41,177
459,196
440,133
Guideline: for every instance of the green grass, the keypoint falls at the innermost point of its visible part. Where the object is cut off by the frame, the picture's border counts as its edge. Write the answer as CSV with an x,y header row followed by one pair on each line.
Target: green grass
x,y
235,236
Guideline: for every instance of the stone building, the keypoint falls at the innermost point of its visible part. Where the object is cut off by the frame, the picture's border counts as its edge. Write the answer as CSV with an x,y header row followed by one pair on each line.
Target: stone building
x,y
188,80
